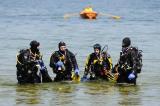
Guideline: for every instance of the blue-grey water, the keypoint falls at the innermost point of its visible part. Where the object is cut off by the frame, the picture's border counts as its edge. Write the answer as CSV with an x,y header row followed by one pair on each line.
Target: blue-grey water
x,y
24,20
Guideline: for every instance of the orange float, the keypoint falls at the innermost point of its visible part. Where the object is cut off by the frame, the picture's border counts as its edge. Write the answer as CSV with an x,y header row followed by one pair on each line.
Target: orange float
x,y
88,13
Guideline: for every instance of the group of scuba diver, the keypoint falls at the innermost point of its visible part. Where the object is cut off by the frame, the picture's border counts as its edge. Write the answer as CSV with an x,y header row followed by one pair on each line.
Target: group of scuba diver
x,y
31,68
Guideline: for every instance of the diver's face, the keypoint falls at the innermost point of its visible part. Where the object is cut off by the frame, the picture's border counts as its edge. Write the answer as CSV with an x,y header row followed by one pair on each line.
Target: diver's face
x,y
35,48
96,51
63,48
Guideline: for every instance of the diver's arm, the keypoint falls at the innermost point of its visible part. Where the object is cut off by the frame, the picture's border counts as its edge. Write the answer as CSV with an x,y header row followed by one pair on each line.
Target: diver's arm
x,y
87,65
53,60
73,60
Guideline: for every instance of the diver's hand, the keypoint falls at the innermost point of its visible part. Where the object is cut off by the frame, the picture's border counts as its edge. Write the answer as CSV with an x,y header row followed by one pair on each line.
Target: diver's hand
x,y
84,78
59,64
131,76
76,71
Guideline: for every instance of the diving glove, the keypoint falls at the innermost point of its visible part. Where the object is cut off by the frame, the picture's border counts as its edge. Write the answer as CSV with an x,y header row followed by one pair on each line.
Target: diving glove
x,y
59,64
76,71
84,78
131,76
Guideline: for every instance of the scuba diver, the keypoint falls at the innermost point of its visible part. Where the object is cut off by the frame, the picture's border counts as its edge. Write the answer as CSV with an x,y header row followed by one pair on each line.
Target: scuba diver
x,y
129,64
98,64
63,62
30,66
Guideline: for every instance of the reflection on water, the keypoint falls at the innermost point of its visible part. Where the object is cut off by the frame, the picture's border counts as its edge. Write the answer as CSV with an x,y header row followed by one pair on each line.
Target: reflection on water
x,y
63,93
99,88
129,95
68,93
28,94
48,93
113,94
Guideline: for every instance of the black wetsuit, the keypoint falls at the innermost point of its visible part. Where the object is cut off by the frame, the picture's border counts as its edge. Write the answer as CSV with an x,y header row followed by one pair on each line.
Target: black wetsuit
x,y
95,65
69,61
126,65
27,69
